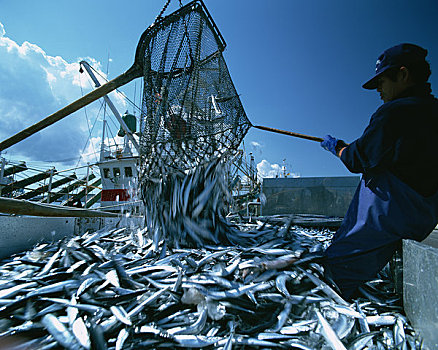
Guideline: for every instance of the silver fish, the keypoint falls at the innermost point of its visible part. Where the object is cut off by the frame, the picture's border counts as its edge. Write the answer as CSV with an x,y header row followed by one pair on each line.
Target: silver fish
x,y
282,317
59,332
329,334
80,331
195,328
10,292
121,338
50,263
120,313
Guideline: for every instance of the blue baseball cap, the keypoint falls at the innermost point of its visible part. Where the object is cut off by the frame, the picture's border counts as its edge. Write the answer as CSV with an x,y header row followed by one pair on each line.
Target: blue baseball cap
x,y
396,56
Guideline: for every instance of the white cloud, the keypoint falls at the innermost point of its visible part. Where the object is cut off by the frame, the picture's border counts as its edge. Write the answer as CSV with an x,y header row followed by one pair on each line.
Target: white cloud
x,y
256,148
34,85
266,169
91,153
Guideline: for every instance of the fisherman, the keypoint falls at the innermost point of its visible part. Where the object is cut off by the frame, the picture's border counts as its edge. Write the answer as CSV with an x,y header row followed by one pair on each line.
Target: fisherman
x,y
397,155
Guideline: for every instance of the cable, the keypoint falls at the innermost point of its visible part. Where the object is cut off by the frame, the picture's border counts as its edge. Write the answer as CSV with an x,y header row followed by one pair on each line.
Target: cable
x,y
88,122
120,92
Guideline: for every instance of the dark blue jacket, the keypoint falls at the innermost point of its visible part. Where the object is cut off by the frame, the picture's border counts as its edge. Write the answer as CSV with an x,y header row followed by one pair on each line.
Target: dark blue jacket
x,y
402,137
397,197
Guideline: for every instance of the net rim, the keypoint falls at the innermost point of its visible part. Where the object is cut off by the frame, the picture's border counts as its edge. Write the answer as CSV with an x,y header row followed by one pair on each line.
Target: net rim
x,y
150,32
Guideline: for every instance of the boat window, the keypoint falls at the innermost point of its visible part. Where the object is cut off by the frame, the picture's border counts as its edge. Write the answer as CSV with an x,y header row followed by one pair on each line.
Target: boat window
x,y
128,171
106,173
116,172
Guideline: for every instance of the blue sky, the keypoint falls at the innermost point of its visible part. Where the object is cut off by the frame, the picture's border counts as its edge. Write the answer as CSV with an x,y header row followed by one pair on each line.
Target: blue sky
x,y
297,65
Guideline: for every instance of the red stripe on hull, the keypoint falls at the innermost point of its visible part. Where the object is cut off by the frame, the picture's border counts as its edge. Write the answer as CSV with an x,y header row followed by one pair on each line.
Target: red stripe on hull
x,y
120,195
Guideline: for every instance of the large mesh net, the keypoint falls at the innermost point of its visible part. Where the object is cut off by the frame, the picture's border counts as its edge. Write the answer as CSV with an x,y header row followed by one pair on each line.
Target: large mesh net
x,y
192,124
191,111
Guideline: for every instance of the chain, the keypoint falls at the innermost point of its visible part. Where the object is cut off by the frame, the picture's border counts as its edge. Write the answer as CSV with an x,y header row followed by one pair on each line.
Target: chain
x,y
162,11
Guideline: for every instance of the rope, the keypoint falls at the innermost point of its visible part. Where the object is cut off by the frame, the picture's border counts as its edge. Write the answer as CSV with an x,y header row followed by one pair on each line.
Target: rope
x,y
88,125
118,205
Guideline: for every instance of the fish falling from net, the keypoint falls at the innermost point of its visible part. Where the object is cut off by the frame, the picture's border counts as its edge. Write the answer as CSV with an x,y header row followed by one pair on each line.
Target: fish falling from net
x,y
189,208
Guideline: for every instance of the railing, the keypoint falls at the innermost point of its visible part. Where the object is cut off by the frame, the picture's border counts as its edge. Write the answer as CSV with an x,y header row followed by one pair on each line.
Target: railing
x,y
19,181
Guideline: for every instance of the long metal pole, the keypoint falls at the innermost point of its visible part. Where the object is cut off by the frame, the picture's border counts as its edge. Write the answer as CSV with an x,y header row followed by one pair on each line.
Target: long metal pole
x,y
24,207
2,174
134,72
49,189
102,144
289,133
86,185
111,106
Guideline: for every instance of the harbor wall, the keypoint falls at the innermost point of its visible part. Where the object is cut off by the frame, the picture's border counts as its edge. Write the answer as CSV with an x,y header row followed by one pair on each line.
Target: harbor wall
x,y
20,233
420,287
328,196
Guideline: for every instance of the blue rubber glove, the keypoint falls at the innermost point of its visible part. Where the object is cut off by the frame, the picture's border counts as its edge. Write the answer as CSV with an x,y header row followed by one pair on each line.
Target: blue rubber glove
x,y
329,143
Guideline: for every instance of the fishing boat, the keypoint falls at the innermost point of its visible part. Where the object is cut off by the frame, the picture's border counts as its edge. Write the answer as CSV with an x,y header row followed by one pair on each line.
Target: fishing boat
x,y
38,204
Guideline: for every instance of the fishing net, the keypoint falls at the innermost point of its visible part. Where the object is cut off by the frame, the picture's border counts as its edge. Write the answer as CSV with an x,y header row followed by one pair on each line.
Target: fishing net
x,y
192,124
191,112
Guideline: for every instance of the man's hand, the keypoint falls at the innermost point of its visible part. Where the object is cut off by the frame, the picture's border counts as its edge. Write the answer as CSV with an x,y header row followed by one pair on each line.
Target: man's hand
x,y
333,145
329,143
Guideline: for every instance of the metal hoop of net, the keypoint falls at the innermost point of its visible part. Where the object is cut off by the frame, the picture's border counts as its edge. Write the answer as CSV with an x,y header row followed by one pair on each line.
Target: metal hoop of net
x,y
191,112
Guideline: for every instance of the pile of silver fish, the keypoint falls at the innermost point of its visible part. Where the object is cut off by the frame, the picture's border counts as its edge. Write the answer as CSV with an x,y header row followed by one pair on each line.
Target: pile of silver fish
x,y
193,277
120,288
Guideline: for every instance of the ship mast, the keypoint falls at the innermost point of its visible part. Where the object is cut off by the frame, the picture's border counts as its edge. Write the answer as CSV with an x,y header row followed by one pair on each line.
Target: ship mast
x,y
111,106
